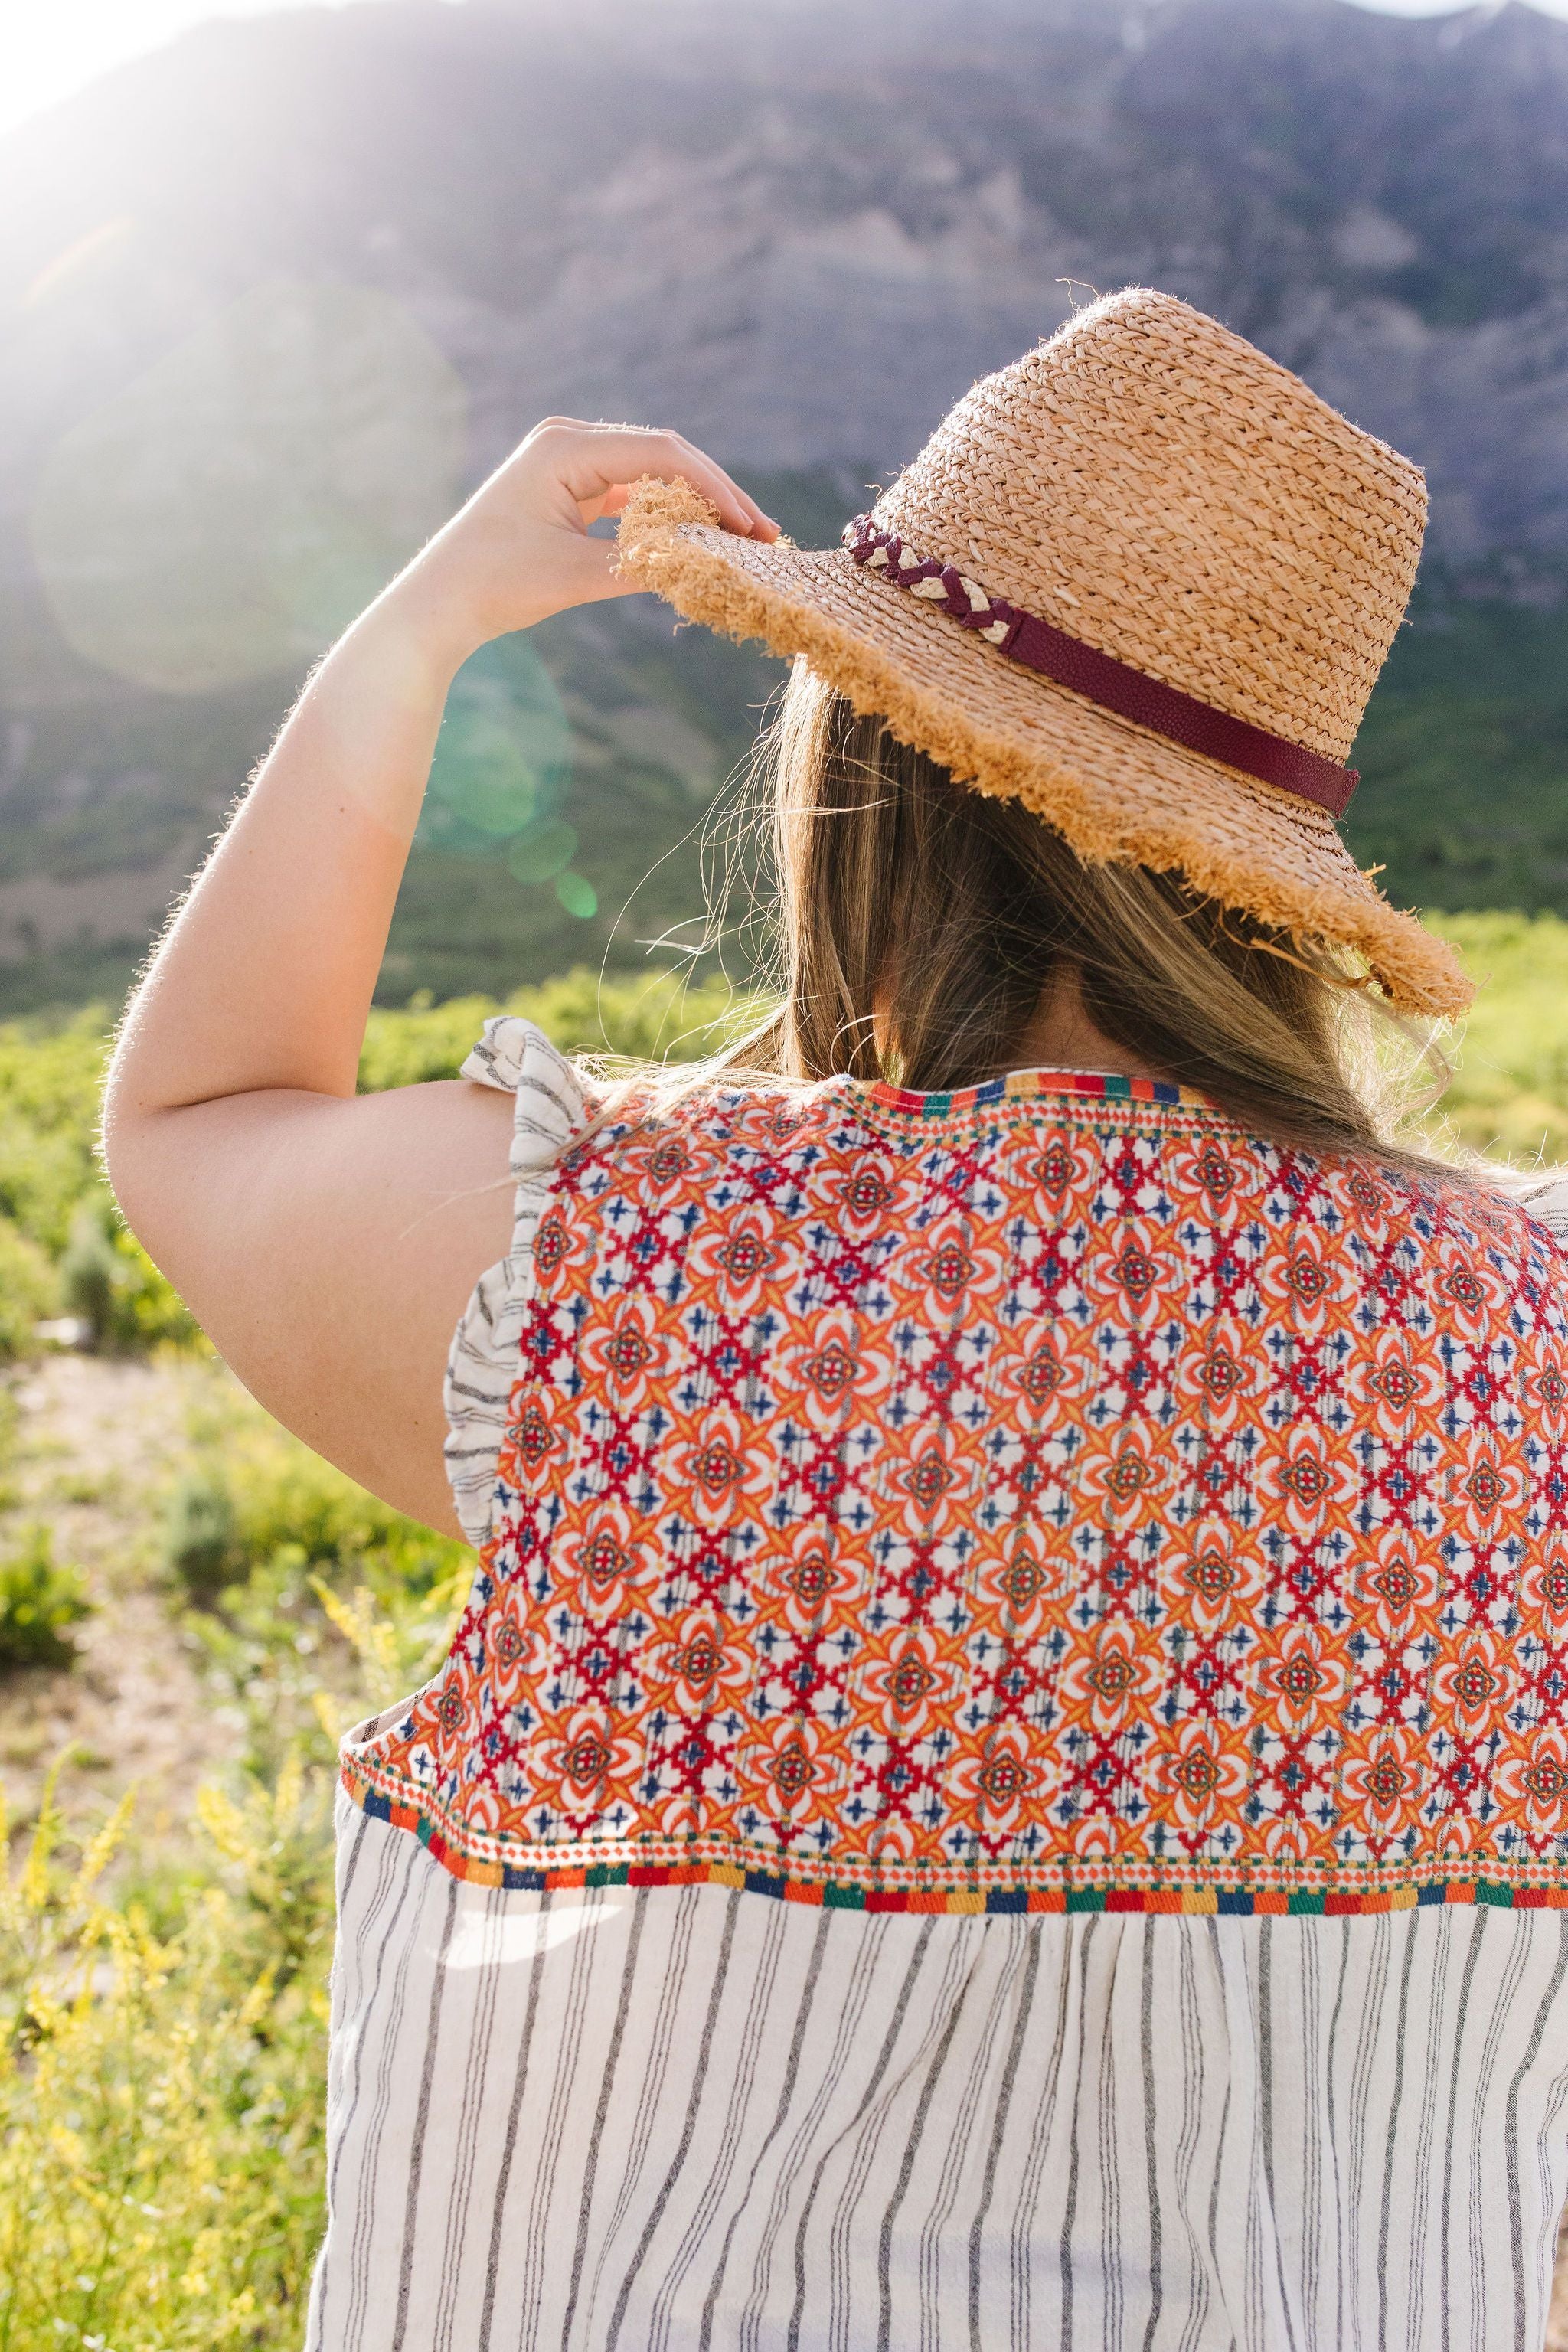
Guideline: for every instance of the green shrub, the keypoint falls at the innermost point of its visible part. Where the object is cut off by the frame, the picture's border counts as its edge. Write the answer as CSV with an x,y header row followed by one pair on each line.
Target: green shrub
x,y
10,1425
317,1596
29,1291
202,1547
659,1018
89,1271
40,1601
423,1041
254,1496
108,1279
654,1019
1510,1093
50,1075
282,1496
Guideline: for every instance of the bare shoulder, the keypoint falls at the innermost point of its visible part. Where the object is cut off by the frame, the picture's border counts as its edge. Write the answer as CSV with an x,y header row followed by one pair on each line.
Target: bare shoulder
x,y
327,1247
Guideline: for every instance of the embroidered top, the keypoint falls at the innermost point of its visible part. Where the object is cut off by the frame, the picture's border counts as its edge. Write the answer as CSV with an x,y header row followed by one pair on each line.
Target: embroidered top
x,y
1033,1497
969,1518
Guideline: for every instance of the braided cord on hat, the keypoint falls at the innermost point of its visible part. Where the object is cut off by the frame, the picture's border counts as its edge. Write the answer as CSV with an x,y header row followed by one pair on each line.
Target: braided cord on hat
x,y
1099,678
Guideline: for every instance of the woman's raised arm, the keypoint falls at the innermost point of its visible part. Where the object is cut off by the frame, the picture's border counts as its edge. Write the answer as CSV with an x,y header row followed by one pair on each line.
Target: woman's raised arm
x,y
328,1242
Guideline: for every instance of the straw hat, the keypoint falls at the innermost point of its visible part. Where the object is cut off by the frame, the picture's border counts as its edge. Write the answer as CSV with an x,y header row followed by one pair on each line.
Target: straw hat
x,y
1141,580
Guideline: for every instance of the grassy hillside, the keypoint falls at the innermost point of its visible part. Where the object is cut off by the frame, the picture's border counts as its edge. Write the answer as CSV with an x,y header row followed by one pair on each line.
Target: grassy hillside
x,y
1464,760
1509,1095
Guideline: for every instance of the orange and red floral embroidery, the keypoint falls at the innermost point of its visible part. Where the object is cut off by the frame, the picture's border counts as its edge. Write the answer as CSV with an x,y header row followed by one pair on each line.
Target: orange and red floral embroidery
x,y
1023,1499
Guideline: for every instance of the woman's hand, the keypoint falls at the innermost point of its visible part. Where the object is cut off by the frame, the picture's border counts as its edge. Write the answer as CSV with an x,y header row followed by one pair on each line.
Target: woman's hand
x,y
521,550
265,979
327,1241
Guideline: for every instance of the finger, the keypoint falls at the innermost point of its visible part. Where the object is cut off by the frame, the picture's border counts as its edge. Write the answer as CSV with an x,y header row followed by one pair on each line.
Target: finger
x,y
594,462
669,458
762,524
737,510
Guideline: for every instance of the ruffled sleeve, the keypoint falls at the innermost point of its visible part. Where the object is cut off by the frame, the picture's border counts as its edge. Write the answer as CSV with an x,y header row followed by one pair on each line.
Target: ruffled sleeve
x,y
517,1058
1548,1205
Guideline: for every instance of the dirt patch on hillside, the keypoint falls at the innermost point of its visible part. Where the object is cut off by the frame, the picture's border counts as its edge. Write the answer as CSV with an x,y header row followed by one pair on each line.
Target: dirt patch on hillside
x,y
99,1444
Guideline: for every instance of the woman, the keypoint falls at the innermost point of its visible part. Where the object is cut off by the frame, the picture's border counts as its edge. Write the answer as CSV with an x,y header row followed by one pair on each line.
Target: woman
x,y
1002,1779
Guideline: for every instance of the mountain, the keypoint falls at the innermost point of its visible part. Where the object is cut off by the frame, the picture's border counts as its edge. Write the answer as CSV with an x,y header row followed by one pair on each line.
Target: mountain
x,y
275,295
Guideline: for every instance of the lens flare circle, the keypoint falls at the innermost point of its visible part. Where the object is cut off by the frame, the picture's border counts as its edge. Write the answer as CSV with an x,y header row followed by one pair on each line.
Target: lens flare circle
x,y
235,505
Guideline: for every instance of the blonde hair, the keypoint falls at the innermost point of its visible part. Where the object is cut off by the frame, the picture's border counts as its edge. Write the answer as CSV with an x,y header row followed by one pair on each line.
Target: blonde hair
x,y
920,923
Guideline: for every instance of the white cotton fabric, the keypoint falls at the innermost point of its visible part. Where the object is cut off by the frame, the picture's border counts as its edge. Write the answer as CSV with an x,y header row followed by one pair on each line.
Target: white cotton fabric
x,y
1548,1204
690,2120
686,2119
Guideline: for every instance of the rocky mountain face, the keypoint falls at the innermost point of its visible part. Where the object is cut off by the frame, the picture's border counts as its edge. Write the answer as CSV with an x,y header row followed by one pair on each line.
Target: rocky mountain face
x,y
794,230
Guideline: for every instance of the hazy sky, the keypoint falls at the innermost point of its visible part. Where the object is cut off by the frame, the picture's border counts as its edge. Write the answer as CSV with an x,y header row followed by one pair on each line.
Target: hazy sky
x,y
47,51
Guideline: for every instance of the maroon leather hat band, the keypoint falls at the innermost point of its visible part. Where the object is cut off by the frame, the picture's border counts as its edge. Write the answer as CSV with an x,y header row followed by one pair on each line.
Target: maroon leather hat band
x,y
1115,685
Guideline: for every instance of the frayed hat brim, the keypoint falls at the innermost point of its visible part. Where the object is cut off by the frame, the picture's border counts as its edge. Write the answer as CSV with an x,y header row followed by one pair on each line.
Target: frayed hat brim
x,y
1116,792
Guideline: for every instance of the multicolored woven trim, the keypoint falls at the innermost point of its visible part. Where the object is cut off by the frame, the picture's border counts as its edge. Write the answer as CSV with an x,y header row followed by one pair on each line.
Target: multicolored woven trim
x,y
1099,678
1102,1086
1189,1901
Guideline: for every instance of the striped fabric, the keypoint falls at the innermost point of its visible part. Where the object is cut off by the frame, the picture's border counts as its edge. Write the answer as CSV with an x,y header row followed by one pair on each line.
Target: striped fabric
x,y
661,2117
663,2121
1548,1205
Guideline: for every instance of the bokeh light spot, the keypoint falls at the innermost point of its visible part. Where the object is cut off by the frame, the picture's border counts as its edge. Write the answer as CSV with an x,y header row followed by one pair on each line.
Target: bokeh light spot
x,y
545,853
485,778
577,895
503,757
233,508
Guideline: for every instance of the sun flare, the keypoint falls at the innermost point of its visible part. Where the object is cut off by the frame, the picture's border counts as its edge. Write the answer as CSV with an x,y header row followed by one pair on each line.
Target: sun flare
x,y
47,53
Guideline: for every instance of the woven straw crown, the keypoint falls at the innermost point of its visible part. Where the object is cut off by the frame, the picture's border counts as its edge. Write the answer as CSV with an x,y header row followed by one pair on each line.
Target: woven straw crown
x,y
1256,552
1153,486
